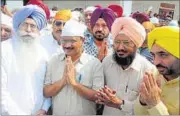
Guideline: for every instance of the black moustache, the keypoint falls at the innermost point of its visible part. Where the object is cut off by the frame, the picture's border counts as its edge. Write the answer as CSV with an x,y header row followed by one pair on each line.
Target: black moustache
x,y
68,48
123,51
160,66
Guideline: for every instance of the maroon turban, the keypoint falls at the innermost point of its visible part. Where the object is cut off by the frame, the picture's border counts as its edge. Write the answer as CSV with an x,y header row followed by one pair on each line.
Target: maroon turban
x,y
42,5
117,9
140,17
98,6
104,13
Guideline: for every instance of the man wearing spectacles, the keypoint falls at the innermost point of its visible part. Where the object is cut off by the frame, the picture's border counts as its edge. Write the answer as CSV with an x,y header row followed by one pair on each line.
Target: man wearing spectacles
x,y
73,77
51,41
124,69
24,65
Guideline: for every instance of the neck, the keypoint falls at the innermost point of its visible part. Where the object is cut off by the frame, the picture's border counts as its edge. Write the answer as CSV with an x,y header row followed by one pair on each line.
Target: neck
x,y
125,67
98,43
54,37
171,77
76,57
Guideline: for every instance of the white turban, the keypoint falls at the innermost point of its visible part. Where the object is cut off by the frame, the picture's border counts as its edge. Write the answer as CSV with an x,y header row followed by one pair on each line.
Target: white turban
x,y
73,28
90,9
6,20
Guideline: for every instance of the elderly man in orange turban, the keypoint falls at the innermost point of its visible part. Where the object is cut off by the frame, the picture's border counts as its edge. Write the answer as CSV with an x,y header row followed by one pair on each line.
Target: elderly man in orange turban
x,y
51,41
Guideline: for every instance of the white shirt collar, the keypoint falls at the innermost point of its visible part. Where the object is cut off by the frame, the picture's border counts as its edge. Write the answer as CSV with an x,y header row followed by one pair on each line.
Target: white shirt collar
x,y
135,65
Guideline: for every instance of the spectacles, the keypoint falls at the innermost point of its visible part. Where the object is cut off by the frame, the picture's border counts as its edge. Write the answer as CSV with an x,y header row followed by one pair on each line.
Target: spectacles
x,y
125,43
59,23
25,25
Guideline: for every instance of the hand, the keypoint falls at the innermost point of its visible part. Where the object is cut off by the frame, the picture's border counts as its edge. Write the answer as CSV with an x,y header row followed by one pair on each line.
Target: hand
x,y
107,97
150,93
70,72
41,112
103,50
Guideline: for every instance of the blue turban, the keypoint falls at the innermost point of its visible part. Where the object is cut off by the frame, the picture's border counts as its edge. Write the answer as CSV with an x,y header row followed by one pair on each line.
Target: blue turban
x,y
33,11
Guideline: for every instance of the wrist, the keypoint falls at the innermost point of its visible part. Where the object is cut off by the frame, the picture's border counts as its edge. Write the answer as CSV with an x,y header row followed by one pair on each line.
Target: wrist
x,y
119,104
75,85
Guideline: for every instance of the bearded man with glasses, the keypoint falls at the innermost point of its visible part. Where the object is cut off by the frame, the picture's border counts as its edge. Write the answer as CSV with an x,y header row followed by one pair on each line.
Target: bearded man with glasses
x,y
124,69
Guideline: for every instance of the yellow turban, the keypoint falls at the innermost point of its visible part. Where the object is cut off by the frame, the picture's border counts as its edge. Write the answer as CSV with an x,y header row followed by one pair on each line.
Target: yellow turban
x,y
64,15
166,37
148,25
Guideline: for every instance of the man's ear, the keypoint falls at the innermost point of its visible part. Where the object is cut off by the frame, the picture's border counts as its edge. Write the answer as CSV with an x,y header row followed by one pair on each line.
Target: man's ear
x,y
83,39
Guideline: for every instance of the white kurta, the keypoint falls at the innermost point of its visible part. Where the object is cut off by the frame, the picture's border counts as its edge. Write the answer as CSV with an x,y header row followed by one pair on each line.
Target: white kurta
x,y
125,82
22,94
51,45
89,73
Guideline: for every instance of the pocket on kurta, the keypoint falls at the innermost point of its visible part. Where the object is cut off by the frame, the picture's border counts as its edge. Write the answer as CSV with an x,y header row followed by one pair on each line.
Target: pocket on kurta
x,y
132,95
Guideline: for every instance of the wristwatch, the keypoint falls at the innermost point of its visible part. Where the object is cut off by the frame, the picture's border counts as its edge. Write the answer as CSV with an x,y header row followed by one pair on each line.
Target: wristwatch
x,y
120,106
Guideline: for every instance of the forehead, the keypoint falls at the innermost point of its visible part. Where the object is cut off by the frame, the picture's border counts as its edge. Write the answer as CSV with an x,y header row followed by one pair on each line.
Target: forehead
x,y
70,37
5,26
158,49
88,12
30,21
122,37
100,21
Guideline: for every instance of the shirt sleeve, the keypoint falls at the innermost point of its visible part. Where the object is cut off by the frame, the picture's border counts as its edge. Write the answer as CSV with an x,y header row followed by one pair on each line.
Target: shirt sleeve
x,y
48,75
4,96
8,106
140,109
98,77
47,103
159,109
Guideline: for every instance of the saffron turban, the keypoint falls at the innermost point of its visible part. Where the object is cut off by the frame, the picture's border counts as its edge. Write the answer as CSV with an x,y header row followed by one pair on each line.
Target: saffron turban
x,y
33,11
148,25
6,20
131,28
42,5
64,15
140,17
166,37
117,9
104,13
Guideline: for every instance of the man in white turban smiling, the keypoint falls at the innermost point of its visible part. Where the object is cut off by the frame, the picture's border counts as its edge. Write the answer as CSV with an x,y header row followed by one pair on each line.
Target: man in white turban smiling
x,y
73,77
23,65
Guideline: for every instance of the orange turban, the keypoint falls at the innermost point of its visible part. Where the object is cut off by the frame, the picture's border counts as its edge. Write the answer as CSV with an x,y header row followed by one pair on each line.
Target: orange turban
x,y
64,15
148,25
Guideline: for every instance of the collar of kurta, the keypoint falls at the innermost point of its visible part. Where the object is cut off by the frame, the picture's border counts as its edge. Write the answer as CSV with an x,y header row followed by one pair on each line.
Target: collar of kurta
x,y
82,59
135,65
172,82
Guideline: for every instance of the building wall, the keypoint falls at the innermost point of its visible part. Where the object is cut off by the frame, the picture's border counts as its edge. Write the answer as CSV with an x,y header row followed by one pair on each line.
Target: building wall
x,y
144,5
83,3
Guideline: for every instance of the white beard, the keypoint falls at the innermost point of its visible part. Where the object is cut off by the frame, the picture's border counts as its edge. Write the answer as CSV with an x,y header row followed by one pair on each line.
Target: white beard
x,y
27,55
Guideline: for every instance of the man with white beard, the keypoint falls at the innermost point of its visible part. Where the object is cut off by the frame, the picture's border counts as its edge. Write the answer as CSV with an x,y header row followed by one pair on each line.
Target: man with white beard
x,y
23,65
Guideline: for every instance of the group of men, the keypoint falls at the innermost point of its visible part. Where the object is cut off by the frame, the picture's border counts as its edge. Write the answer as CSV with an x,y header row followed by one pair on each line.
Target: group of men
x,y
76,68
